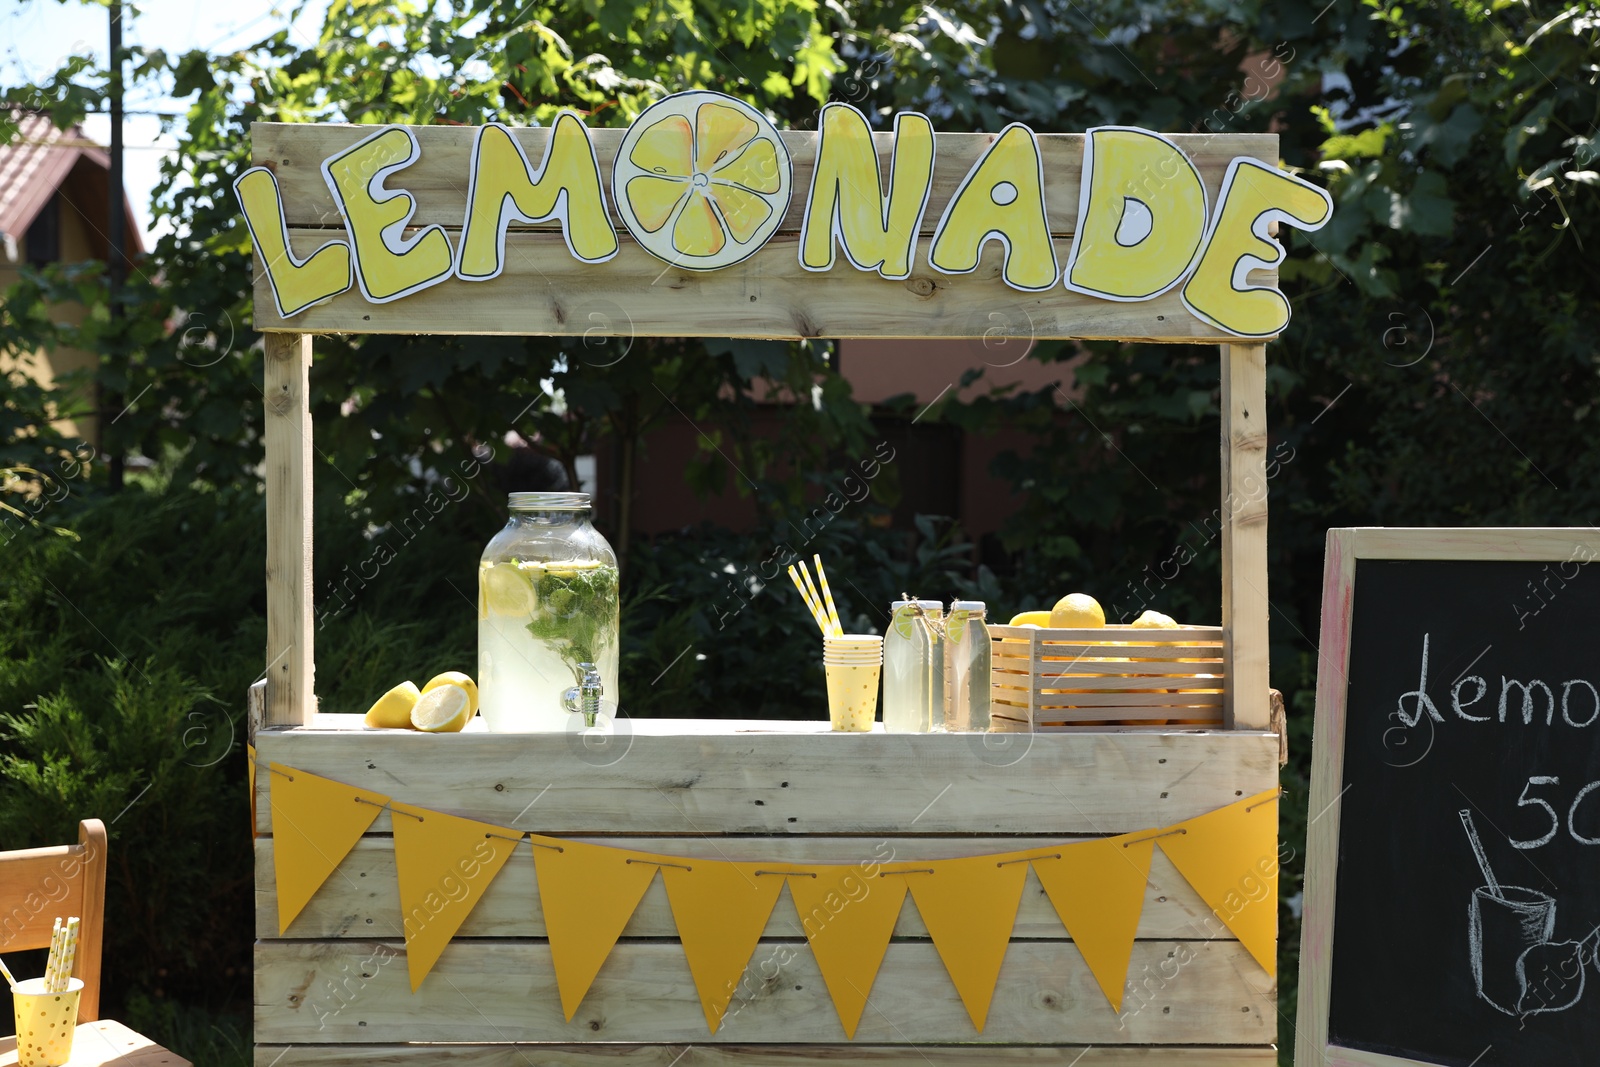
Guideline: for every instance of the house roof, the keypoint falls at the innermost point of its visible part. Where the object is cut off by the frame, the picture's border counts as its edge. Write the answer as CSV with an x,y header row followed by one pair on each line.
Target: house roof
x,y
36,164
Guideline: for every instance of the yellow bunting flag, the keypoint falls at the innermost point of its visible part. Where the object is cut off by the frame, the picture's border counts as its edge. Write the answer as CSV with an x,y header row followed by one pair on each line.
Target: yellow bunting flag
x,y
848,917
720,909
250,751
588,893
445,863
315,824
970,907
1230,856
1097,888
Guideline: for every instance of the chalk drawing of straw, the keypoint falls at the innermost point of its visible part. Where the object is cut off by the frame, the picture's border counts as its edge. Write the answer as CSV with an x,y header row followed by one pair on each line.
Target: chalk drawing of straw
x,y
1516,966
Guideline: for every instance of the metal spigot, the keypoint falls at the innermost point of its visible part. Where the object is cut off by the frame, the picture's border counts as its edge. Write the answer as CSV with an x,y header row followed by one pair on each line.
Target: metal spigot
x,y
584,698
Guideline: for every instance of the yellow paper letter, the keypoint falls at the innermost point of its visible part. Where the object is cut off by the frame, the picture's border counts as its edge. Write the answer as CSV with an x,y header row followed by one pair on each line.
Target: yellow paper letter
x,y
388,266
847,201
1253,196
1002,197
296,284
504,187
1141,216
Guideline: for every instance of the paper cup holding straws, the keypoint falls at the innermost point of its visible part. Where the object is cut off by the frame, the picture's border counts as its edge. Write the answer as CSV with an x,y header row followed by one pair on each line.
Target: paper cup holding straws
x,y
45,1022
853,663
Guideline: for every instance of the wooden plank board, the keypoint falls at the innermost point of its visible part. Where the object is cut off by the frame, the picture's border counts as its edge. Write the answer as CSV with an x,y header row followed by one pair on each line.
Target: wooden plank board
x,y
438,180
360,899
545,291
1244,535
105,1043
622,1055
823,783
286,397
1184,992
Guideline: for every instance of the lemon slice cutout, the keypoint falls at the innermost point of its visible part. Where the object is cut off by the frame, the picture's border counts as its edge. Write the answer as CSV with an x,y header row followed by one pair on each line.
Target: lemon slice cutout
x,y
702,180
444,710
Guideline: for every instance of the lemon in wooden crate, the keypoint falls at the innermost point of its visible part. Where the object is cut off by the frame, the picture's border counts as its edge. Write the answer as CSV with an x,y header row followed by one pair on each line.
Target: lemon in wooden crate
x,y
1031,618
701,180
1077,611
392,711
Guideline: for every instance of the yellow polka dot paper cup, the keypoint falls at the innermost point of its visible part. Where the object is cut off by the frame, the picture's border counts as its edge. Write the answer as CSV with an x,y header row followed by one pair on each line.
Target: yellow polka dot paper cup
x,y
45,1022
853,664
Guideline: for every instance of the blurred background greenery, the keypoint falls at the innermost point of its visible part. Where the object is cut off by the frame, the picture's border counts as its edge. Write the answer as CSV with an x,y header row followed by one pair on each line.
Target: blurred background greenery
x,y
1440,369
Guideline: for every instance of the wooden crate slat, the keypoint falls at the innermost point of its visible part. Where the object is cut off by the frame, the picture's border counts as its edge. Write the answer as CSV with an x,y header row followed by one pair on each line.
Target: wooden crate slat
x,y
360,900
545,291
1049,697
790,783
681,1055
438,180
1098,717
1073,682
314,992
1012,668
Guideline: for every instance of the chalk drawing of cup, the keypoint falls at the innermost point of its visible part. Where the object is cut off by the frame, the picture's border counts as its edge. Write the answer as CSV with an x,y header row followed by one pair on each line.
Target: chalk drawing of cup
x,y
1506,921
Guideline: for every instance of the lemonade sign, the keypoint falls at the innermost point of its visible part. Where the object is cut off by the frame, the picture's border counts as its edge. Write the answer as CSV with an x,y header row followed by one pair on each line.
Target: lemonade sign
x,y
703,181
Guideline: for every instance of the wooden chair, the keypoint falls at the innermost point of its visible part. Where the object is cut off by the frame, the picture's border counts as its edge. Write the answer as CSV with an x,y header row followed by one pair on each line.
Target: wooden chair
x,y
36,886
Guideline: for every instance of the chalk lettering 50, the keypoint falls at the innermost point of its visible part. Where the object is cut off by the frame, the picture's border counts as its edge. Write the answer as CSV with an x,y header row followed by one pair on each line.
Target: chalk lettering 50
x,y
1525,801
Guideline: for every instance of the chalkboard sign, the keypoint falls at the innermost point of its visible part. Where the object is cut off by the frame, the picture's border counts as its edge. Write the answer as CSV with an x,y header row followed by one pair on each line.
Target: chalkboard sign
x,y
1452,911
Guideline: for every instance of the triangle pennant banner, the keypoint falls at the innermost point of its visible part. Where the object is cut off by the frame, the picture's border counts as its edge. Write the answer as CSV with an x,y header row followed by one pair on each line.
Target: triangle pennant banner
x,y
588,893
1097,888
1230,857
315,823
720,909
970,908
444,863
848,918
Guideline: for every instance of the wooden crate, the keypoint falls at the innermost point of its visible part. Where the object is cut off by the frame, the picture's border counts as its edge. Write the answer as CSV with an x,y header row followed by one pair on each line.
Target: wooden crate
x,y
1116,675
334,989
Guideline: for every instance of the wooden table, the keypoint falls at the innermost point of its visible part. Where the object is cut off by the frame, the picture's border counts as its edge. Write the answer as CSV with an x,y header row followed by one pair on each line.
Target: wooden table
x,y
106,1043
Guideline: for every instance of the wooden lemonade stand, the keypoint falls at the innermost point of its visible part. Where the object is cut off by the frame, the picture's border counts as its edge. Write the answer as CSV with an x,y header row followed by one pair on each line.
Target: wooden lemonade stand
x,y
331,988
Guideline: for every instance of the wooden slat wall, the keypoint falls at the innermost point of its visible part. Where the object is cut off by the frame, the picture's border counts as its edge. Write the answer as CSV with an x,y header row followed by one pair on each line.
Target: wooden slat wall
x,y
792,783
626,1055
1197,998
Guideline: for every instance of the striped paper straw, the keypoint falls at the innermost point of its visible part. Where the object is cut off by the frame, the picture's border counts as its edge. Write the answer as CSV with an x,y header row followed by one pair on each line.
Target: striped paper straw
x,y
816,599
10,978
811,605
69,954
52,963
833,614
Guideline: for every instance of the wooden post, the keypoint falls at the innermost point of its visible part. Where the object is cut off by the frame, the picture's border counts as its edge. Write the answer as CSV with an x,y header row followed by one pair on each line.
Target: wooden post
x,y
286,396
1244,537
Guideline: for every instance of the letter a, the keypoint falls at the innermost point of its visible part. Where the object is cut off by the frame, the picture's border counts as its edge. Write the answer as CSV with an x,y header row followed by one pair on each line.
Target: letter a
x,y
847,202
1003,198
1141,216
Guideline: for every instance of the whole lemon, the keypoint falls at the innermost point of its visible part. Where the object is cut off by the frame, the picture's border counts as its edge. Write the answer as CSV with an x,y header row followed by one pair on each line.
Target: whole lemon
x,y
1077,611
1154,620
1031,618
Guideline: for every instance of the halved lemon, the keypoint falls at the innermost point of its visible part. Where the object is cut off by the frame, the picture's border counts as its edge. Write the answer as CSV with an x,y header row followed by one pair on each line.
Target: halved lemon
x,y
392,711
444,710
454,678
701,180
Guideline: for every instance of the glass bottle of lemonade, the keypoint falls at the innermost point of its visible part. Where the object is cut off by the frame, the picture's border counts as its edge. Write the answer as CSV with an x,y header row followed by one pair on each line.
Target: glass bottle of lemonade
x,y
548,617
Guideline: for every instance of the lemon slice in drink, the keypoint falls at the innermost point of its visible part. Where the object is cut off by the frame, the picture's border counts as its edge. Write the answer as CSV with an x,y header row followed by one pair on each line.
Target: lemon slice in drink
x,y
701,180
504,590
444,710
